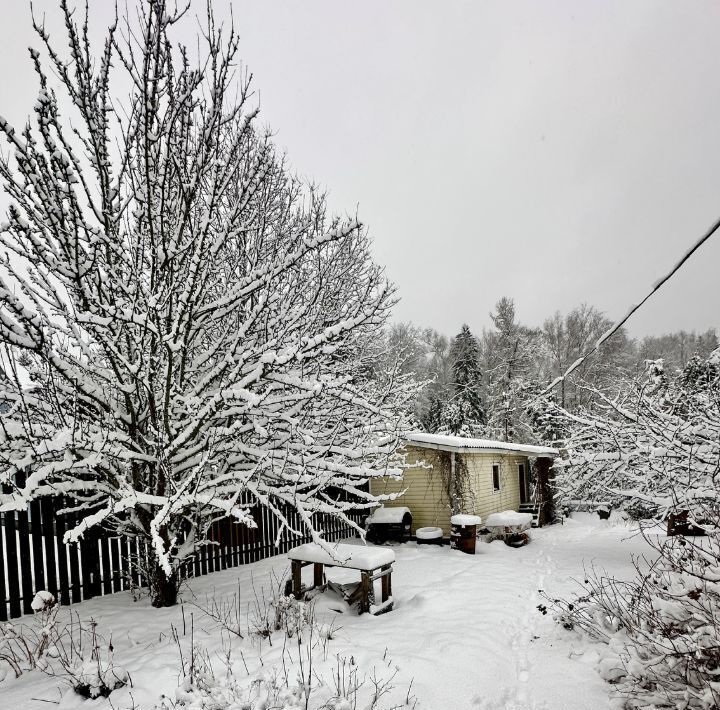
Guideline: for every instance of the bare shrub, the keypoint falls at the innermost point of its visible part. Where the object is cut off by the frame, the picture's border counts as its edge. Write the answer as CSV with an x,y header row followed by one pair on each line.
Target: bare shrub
x,y
226,611
296,685
70,650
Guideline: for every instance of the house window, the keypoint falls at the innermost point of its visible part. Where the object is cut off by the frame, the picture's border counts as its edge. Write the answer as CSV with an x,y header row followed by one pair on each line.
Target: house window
x,y
496,477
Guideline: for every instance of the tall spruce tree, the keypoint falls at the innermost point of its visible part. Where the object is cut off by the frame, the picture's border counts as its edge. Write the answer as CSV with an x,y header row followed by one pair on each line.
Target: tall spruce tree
x,y
509,361
465,412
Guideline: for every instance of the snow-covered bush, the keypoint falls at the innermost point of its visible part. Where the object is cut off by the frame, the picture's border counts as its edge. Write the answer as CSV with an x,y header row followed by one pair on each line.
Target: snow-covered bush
x,y
282,612
24,647
291,614
653,449
94,678
299,685
68,649
661,631
195,327
85,661
42,602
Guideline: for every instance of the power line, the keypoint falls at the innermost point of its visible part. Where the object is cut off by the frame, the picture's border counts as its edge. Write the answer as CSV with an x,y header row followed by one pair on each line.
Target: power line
x,y
655,287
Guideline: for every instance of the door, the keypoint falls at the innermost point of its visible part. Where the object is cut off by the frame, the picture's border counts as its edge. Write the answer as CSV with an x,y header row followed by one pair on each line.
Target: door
x,y
522,483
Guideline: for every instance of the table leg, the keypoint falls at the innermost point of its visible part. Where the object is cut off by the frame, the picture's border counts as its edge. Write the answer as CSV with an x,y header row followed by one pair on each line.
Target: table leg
x,y
386,584
318,574
365,595
296,578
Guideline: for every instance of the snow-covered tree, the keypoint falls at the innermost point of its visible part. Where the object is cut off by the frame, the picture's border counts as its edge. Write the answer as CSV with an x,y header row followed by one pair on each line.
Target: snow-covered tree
x,y
433,418
464,412
566,338
677,348
182,322
654,446
655,449
439,376
403,349
510,356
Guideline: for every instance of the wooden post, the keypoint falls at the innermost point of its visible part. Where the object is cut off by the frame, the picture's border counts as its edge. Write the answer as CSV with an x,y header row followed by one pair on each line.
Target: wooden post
x,y
296,578
365,595
387,583
318,574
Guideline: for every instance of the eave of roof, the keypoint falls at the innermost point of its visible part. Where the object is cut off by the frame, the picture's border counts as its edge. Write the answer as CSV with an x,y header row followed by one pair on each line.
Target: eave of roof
x,y
461,444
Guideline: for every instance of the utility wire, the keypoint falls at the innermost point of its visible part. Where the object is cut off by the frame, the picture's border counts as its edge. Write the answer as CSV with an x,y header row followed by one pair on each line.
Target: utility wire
x,y
655,287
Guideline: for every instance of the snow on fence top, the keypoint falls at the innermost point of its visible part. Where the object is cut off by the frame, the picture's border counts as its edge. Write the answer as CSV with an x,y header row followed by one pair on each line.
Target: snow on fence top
x,y
463,520
508,519
461,443
387,515
351,556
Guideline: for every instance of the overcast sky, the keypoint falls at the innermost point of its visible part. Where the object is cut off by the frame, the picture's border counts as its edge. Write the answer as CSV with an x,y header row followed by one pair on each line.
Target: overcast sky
x,y
555,152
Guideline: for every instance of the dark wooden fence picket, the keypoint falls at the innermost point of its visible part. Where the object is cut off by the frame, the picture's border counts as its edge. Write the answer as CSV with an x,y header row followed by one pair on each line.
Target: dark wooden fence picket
x,y
63,557
11,557
47,535
34,556
26,570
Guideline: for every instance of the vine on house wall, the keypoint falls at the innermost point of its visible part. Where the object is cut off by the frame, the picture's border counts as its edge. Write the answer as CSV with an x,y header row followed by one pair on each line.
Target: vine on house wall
x,y
457,485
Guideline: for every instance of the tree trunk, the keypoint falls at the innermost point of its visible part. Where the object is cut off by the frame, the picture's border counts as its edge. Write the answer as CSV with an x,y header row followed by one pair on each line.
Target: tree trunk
x,y
163,589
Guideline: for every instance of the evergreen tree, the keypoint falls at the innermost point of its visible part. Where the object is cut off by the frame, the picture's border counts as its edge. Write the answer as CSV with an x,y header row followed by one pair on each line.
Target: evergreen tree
x,y
510,355
465,412
433,418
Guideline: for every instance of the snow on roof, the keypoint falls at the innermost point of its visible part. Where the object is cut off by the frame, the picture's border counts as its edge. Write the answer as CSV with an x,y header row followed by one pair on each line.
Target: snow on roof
x,y
461,443
352,556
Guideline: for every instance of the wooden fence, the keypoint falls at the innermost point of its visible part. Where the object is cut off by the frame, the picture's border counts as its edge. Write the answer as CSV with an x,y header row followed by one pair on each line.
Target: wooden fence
x,y
33,555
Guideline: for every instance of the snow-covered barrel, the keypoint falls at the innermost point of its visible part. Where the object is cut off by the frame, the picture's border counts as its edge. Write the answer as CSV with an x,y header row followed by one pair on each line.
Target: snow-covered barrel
x,y
429,536
392,523
464,532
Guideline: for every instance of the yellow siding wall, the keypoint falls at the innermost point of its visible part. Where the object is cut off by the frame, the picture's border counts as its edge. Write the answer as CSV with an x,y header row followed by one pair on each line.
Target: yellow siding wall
x,y
487,500
427,498
425,494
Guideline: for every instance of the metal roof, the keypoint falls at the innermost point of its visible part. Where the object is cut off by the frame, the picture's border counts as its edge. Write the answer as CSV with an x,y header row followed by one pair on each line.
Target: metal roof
x,y
463,444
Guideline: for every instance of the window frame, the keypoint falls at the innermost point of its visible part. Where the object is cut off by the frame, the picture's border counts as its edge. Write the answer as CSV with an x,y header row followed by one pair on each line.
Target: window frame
x,y
495,471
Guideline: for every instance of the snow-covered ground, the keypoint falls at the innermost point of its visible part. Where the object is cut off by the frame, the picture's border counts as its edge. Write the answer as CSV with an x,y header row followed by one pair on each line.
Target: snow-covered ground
x,y
465,630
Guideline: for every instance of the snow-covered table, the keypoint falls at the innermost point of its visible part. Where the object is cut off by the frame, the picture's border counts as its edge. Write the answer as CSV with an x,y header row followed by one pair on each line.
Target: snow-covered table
x,y
372,562
510,526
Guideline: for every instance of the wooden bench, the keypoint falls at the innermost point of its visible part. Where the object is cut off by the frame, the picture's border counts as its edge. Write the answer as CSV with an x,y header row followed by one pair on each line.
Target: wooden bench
x,y
372,562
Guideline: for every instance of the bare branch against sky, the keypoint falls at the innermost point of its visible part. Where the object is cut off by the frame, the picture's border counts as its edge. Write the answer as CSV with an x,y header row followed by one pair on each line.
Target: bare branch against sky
x,y
554,152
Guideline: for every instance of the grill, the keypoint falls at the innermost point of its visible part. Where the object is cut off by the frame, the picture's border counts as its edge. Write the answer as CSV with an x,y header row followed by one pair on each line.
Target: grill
x,y
385,524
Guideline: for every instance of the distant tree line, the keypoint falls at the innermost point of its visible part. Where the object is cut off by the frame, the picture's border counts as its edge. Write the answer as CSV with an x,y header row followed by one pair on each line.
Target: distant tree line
x,y
489,384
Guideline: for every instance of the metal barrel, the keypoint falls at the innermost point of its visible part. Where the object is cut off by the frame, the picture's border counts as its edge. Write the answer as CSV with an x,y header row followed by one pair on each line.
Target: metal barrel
x,y
462,537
